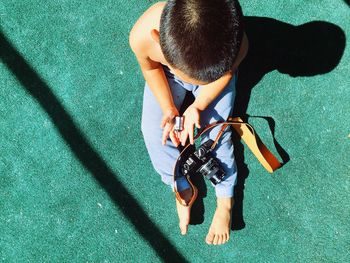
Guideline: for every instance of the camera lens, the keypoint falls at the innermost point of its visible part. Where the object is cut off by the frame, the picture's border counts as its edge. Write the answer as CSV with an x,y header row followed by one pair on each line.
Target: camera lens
x,y
212,171
217,178
179,123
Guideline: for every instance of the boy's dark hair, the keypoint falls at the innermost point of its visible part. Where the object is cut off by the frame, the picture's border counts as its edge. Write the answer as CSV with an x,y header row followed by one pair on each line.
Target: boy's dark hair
x,y
201,37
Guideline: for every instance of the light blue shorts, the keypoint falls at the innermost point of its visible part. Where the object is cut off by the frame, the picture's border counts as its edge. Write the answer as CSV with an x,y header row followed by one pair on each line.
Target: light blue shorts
x,y
163,157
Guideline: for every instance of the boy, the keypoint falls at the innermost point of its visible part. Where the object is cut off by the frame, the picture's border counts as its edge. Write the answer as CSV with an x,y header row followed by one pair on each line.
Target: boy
x,y
196,46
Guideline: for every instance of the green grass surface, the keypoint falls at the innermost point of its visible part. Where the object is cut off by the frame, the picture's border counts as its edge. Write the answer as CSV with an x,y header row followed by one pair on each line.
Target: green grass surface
x,y
76,183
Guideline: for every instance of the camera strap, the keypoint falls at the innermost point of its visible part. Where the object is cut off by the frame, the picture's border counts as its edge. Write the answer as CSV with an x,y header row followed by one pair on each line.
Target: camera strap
x,y
250,138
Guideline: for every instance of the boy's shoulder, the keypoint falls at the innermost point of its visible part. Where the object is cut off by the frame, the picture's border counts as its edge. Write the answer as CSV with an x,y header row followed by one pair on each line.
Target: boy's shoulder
x,y
139,38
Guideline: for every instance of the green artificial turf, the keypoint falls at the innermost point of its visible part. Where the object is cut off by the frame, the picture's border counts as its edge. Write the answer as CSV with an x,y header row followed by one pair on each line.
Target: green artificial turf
x,y
76,183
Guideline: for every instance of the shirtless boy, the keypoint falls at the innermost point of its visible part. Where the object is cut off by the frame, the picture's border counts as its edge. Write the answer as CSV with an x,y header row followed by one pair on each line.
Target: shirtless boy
x,y
190,46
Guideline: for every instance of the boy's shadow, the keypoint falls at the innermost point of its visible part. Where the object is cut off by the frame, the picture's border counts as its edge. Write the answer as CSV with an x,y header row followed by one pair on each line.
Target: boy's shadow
x,y
306,50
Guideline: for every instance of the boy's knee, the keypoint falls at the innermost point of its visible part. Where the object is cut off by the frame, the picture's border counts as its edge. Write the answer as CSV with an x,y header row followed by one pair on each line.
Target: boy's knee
x,y
226,187
151,134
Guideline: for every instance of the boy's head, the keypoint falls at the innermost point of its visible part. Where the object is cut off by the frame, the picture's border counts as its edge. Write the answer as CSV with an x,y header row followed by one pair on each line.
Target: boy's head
x,y
201,38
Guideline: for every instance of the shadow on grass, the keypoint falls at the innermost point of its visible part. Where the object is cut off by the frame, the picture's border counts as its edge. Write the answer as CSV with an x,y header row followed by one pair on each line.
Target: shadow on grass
x,y
85,153
309,49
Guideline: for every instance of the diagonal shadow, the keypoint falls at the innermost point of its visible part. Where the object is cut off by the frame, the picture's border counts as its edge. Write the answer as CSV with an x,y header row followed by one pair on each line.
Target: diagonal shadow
x,y
86,154
305,50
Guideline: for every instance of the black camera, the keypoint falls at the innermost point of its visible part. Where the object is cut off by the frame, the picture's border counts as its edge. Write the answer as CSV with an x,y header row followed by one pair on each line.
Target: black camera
x,y
201,162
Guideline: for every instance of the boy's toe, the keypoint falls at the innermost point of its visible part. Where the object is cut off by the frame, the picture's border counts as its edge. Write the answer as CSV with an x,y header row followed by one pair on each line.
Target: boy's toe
x,y
216,239
227,237
183,228
220,239
210,237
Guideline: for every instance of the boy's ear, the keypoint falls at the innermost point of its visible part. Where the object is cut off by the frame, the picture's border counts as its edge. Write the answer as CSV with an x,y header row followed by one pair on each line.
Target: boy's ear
x,y
155,35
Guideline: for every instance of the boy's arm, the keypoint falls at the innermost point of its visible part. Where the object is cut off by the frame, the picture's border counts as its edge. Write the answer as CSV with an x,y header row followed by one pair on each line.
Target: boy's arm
x,y
141,44
155,77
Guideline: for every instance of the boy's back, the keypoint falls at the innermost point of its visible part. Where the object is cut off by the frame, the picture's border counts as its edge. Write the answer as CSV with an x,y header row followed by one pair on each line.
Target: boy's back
x,y
145,48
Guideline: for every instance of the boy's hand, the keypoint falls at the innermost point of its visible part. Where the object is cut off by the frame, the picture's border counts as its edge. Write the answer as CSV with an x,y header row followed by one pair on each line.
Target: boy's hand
x,y
167,125
192,120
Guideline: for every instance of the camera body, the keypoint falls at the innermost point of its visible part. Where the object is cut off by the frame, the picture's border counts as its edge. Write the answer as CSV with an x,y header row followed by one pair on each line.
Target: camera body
x,y
202,162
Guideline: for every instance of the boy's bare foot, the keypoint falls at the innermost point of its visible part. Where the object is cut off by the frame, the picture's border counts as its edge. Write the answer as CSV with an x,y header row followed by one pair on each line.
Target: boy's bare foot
x,y
184,211
219,231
